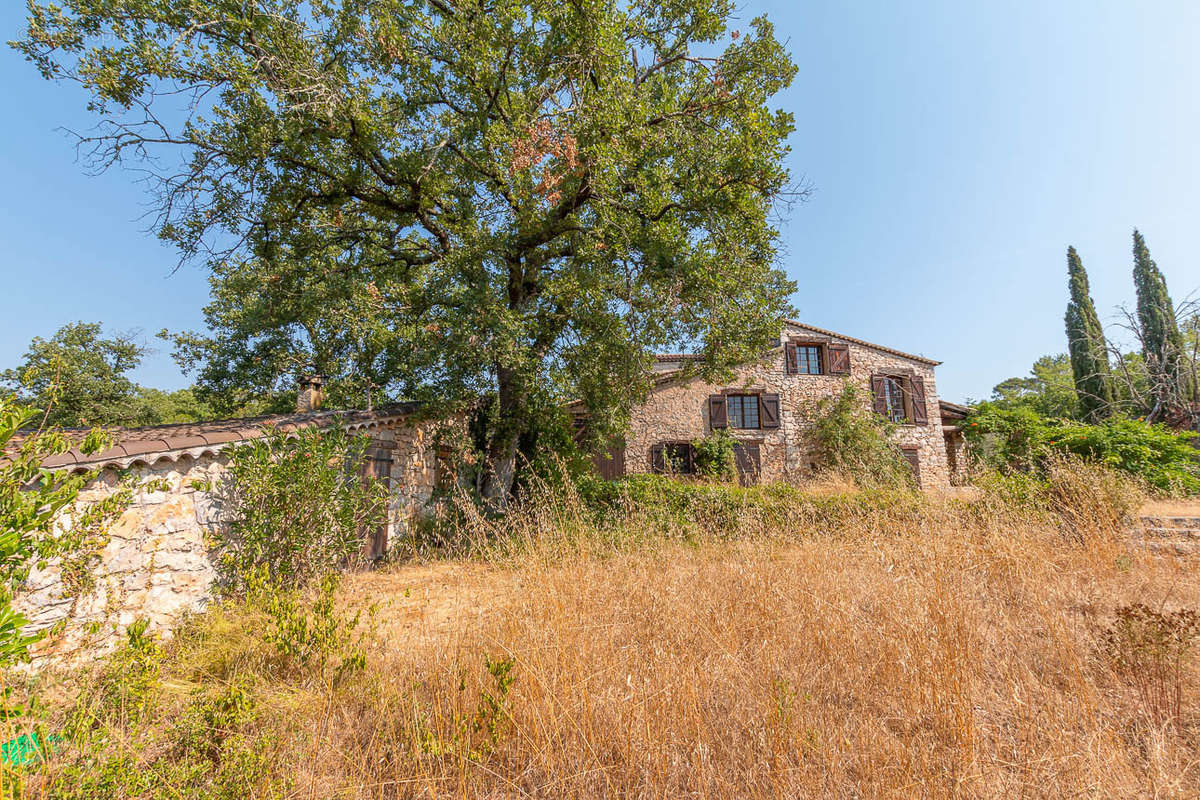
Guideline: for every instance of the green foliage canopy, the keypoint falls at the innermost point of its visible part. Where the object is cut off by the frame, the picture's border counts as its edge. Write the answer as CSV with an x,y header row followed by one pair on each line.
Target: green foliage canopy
x,y
1048,390
438,200
80,377
1020,439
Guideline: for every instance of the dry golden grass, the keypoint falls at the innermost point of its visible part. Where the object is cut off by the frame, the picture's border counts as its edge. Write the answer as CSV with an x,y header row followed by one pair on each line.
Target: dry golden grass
x,y
952,653
938,664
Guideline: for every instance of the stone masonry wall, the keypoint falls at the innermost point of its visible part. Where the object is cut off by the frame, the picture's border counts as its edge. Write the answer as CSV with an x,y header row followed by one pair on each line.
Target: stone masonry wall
x,y
677,410
157,562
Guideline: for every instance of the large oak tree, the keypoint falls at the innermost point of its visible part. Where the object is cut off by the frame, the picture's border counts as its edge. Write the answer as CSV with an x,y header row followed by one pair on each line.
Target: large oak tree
x,y
445,200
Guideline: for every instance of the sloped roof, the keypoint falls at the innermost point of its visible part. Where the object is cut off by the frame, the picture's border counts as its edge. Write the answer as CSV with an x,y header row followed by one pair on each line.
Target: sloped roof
x,y
863,342
953,410
169,442
819,331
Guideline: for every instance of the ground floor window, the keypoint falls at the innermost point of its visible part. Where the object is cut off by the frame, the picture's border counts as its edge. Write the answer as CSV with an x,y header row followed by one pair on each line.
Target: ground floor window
x,y
673,458
743,411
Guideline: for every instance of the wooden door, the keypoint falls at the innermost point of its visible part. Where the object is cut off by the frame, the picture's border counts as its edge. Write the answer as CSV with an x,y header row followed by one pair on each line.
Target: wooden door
x,y
749,464
610,463
377,466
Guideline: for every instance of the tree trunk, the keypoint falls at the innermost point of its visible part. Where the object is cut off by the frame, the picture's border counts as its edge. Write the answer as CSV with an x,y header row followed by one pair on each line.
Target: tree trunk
x,y
503,438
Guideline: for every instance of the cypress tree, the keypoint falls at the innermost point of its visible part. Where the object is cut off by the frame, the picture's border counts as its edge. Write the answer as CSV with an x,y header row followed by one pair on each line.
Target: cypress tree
x,y
1085,339
1162,343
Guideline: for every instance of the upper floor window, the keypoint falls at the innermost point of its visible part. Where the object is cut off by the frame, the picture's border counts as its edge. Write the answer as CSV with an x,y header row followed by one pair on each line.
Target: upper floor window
x,y
893,400
900,397
808,359
743,411
817,358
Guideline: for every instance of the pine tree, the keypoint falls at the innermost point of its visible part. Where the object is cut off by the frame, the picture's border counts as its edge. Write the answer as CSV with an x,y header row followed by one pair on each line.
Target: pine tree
x,y
1162,343
1085,339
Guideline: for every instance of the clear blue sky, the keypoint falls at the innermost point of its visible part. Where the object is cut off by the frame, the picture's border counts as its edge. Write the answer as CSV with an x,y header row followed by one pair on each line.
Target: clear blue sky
x,y
955,150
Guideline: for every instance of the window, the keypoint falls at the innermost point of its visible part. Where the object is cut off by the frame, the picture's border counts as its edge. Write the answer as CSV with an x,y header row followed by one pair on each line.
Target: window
x,y
900,397
818,358
673,458
893,399
743,411
808,359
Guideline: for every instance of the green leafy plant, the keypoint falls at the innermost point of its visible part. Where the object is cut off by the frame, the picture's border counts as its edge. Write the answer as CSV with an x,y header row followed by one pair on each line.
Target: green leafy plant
x,y
31,498
850,439
714,456
307,636
300,507
1021,440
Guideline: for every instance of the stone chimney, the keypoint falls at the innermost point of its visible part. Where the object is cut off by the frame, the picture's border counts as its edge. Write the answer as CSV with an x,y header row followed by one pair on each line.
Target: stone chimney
x,y
312,394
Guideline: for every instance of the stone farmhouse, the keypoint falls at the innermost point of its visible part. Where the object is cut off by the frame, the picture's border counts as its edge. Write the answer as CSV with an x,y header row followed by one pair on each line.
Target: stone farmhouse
x,y
156,561
768,407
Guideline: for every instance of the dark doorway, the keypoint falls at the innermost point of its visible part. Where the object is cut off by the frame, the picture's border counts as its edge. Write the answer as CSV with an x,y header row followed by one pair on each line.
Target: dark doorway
x,y
610,463
377,465
913,457
749,464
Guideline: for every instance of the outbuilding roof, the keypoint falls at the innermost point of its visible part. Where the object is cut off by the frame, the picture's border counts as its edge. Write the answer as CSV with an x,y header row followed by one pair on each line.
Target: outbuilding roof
x,y
169,442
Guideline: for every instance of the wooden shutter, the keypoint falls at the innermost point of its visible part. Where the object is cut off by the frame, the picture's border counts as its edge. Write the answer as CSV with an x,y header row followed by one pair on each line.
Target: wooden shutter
x,y
746,456
920,414
768,410
839,359
789,350
879,402
658,464
717,412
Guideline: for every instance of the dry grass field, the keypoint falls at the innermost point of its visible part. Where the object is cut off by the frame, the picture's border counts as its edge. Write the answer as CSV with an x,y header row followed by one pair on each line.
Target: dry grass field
x,y
966,649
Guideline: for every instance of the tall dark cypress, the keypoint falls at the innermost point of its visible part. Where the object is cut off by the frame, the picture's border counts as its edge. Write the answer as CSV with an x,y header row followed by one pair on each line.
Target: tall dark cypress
x,y
1085,339
1162,343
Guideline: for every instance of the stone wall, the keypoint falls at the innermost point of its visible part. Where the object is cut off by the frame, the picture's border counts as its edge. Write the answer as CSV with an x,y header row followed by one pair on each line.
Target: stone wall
x,y
677,410
157,562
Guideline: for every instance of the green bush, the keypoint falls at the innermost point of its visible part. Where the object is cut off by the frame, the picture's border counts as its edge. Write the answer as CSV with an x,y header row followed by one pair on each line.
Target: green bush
x,y
30,499
852,440
301,507
714,456
1020,440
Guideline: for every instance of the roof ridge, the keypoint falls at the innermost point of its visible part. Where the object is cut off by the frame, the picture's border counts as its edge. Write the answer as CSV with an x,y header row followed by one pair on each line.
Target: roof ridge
x,y
863,342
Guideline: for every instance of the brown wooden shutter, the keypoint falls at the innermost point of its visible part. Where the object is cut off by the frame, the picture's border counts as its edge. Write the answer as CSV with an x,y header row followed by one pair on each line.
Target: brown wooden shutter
x,y
839,359
658,464
879,402
789,350
917,390
768,410
717,413
749,465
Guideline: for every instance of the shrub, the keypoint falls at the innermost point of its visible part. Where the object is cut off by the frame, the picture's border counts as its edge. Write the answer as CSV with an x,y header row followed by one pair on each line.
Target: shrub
x,y
714,456
30,499
851,439
300,507
1020,440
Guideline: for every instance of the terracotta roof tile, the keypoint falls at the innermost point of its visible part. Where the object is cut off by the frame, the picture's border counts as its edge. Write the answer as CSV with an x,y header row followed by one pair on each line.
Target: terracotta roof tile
x,y
134,442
